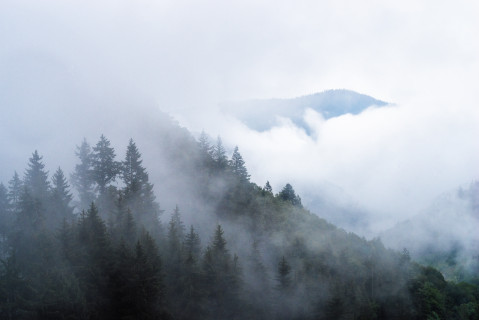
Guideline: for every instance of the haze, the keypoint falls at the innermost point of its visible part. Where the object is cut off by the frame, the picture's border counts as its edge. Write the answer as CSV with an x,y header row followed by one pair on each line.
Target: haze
x,y
85,61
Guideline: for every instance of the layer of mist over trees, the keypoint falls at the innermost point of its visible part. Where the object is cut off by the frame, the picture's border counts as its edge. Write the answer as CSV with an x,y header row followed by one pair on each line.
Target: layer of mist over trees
x,y
112,252
445,235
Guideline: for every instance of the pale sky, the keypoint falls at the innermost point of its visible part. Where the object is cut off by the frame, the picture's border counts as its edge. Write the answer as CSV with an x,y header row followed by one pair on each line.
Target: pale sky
x,y
61,61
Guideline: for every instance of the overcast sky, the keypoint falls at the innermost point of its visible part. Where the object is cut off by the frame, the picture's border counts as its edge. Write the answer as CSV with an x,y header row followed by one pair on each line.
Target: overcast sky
x,y
60,59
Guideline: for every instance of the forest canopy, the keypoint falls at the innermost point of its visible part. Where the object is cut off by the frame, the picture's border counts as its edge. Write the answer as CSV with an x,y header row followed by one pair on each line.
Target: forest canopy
x,y
96,244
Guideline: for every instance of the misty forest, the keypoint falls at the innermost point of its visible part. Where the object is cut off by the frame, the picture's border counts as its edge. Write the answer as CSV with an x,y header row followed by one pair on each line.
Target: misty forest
x,y
96,243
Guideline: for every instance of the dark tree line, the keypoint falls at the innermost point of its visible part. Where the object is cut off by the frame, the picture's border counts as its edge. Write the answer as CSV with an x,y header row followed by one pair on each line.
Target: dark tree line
x,y
108,255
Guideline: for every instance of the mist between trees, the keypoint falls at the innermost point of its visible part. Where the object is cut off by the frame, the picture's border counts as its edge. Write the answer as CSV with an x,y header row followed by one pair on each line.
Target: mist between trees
x,y
229,249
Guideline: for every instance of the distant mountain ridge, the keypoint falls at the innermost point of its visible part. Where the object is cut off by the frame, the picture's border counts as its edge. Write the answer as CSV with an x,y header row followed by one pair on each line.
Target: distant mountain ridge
x,y
263,114
444,235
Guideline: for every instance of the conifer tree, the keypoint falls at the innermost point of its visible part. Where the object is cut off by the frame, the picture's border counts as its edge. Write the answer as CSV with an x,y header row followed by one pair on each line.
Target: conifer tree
x,y
136,284
192,244
267,188
36,178
176,231
4,203
222,276
16,294
192,295
288,194
94,263
61,198
206,150
105,168
82,178
238,167
5,218
283,275
258,286
174,262
138,190
219,155
129,227
15,189
133,173
219,242
30,216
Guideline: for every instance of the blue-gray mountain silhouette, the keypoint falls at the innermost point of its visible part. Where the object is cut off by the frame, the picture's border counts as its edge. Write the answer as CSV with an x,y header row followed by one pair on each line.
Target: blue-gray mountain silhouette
x,y
262,115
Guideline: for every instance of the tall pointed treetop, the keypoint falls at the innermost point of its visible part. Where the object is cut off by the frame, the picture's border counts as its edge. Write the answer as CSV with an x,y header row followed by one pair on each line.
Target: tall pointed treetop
x,y
219,154
36,178
61,193
237,164
105,168
15,188
82,178
133,173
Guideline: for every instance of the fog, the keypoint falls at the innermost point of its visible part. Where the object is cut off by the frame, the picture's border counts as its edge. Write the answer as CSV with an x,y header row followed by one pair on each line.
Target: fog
x,y
79,69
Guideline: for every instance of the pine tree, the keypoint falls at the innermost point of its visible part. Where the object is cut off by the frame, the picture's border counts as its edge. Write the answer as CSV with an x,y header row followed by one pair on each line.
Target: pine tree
x,y
36,178
136,284
82,178
192,245
206,150
238,167
288,194
258,286
94,263
16,294
219,242
219,155
138,190
174,261
283,275
133,173
192,297
267,188
176,232
129,228
15,189
5,219
61,198
222,277
105,168
30,216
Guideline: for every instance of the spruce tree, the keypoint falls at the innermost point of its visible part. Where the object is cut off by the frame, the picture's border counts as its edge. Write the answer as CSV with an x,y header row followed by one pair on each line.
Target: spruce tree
x,y
222,276
105,168
82,178
176,232
61,198
36,178
138,191
15,189
191,299
174,261
267,188
5,218
283,275
133,173
192,244
206,150
288,194
16,294
94,263
238,167
219,155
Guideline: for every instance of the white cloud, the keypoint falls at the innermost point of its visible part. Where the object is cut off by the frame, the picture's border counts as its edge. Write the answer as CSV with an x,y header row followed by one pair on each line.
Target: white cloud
x,y
85,57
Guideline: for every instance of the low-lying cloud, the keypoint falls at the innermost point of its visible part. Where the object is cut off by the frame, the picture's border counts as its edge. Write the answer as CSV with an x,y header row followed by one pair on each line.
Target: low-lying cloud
x,y
391,161
74,69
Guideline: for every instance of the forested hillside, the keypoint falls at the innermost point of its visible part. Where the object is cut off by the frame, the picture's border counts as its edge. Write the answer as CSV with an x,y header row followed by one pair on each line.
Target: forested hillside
x,y
445,235
247,252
